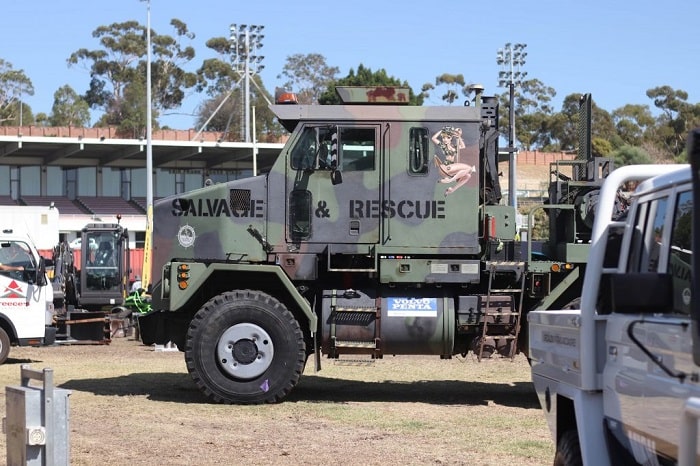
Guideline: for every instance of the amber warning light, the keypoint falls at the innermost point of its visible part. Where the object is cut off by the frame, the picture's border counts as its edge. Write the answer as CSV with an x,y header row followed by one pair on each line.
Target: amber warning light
x,y
284,97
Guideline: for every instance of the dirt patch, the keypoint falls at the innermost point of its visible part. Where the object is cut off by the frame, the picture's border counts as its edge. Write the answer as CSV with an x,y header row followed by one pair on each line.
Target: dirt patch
x,y
132,405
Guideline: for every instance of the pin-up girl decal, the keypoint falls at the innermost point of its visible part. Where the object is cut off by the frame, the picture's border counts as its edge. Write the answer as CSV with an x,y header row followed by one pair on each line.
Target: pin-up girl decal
x,y
449,140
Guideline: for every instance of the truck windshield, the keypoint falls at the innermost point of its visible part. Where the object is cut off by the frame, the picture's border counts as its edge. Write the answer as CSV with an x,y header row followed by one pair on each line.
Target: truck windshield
x,y
15,256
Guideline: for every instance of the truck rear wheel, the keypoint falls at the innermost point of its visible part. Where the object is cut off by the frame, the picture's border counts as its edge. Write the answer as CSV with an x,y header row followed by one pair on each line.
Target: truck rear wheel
x,y
245,347
568,450
4,346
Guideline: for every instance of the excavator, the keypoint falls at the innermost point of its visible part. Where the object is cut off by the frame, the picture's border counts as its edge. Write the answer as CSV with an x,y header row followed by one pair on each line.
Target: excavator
x,y
91,284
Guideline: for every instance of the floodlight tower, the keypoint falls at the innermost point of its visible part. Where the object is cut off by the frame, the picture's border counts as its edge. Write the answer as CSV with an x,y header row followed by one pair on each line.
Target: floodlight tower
x,y
246,41
511,58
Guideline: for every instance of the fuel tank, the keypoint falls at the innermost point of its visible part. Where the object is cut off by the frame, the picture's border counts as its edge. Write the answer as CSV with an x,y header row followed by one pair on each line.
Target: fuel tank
x,y
387,322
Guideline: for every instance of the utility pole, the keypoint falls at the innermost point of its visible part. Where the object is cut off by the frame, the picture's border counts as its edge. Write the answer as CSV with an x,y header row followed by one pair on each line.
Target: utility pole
x,y
511,58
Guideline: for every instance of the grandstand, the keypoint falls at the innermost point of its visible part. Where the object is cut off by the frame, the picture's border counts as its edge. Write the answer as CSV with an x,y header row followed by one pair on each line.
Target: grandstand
x,y
90,175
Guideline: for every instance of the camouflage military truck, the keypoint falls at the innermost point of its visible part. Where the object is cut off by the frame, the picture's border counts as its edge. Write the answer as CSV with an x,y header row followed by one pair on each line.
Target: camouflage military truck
x,y
378,231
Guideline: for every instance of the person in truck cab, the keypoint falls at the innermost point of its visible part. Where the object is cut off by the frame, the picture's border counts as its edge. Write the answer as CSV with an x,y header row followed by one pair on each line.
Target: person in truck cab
x,y
13,257
11,268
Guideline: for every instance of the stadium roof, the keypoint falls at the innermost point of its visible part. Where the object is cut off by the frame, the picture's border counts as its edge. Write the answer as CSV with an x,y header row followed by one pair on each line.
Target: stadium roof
x,y
80,151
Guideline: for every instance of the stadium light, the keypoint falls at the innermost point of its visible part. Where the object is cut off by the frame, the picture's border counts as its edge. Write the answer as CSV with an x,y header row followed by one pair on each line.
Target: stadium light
x,y
246,41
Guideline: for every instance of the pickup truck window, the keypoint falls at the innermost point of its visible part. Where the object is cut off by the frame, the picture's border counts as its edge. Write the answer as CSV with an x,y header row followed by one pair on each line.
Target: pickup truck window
x,y
680,254
635,253
653,249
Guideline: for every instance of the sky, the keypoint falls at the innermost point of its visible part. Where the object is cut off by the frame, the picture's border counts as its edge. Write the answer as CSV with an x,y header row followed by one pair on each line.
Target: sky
x,y
614,49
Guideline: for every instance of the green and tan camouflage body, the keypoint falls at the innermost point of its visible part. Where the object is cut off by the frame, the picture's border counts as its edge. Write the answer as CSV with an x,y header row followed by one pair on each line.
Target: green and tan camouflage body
x,y
388,199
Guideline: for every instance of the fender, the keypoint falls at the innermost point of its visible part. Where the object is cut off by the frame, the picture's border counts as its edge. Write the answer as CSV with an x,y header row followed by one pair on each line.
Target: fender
x,y
193,275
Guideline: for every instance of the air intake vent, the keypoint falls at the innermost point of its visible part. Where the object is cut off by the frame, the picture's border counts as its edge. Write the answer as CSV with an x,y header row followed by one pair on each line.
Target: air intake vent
x,y
240,200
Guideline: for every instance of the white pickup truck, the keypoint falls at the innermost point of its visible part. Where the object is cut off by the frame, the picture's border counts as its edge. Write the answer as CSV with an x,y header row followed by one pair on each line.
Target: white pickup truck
x,y
26,295
617,375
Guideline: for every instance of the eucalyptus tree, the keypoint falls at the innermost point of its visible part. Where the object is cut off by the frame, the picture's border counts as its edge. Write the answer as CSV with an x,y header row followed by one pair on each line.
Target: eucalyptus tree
x,y
118,71
451,86
366,77
677,118
308,76
14,85
634,123
532,111
69,109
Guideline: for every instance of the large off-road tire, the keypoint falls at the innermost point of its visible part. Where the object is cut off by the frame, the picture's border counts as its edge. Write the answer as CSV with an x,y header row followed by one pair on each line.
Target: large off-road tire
x,y
4,346
245,347
568,450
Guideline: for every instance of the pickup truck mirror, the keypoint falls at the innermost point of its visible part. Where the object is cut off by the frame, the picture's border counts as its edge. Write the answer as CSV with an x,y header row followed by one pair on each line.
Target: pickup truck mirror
x,y
637,293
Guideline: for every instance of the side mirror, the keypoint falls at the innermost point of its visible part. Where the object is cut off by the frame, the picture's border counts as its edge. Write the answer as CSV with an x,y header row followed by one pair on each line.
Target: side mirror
x,y
336,177
40,278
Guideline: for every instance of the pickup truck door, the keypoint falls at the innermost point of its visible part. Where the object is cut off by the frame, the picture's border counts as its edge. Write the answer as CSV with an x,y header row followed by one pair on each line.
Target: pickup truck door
x,y
649,352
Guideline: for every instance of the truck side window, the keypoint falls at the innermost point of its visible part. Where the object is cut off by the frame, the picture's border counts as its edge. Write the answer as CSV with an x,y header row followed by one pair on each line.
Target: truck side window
x,y
313,150
357,149
680,255
304,151
300,214
418,151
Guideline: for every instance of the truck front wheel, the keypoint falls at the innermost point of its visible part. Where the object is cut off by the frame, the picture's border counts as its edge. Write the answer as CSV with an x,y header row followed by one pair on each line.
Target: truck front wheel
x,y
245,347
4,346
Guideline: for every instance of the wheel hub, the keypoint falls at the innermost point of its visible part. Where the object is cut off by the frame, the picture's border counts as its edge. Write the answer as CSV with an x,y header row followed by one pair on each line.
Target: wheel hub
x,y
245,351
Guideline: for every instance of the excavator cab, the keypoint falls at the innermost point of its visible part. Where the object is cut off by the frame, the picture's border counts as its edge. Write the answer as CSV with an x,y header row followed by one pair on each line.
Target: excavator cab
x,y
104,265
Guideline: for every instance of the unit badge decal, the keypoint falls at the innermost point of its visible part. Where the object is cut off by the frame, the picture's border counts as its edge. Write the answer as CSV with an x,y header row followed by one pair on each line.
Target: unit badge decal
x,y
186,236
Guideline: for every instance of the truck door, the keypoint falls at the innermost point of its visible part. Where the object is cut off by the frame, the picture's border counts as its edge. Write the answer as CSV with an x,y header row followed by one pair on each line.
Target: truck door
x,y
22,301
333,186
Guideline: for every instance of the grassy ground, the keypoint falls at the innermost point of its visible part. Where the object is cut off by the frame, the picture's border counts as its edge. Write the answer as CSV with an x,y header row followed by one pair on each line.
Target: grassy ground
x,y
132,405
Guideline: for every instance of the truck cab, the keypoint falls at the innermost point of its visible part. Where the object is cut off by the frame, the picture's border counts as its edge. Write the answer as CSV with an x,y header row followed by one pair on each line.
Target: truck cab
x,y
613,374
26,296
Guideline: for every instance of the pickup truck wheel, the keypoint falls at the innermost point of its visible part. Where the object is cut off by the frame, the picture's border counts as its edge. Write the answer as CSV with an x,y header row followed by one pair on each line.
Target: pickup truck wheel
x,y
4,346
568,450
245,347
